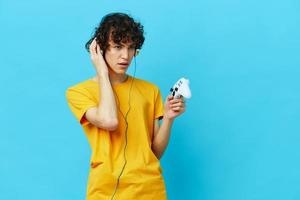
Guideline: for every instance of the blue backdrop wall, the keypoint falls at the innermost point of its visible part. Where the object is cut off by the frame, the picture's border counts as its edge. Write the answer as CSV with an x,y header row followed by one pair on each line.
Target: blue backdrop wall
x,y
239,138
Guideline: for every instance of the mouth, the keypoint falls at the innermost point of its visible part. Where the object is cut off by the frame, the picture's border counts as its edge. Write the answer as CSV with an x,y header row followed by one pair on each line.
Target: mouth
x,y
123,64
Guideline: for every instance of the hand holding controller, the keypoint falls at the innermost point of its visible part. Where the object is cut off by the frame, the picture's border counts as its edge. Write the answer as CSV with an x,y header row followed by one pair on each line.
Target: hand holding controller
x,y
181,88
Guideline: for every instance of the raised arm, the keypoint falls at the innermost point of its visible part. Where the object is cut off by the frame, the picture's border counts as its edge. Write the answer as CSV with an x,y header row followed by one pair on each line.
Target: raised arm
x,y
104,116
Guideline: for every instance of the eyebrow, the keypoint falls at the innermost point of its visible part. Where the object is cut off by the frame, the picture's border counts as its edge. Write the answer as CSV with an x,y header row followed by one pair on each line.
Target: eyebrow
x,y
131,46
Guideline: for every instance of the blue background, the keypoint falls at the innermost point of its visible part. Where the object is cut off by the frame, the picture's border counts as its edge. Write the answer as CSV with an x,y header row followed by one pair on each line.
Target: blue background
x,y
240,136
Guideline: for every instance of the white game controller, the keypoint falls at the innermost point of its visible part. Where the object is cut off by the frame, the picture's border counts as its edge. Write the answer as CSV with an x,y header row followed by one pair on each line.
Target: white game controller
x,y
181,88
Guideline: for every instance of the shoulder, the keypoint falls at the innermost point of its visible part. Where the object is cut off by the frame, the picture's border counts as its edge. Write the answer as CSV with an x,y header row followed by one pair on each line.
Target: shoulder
x,y
82,87
147,89
146,84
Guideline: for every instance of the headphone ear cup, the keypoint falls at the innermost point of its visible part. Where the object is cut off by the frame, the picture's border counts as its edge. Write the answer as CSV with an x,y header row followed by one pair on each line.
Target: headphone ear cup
x,y
137,51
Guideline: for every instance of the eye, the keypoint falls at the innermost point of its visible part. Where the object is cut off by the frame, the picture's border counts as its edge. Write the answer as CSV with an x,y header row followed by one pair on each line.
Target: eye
x,y
118,47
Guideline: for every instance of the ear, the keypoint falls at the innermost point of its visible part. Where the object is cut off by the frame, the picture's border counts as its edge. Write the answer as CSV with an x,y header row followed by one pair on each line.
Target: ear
x,y
137,51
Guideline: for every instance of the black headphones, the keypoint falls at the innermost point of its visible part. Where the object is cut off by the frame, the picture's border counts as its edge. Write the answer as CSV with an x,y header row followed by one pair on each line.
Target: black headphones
x,y
137,51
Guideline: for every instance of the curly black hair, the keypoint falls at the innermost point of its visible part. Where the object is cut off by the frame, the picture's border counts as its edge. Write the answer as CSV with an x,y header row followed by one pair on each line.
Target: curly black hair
x,y
121,28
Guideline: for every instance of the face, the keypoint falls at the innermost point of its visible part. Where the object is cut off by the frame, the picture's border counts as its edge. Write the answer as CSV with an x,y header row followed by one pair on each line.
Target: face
x,y
119,56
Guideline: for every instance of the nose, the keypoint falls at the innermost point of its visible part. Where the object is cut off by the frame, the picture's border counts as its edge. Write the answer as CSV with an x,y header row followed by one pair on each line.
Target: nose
x,y
125,53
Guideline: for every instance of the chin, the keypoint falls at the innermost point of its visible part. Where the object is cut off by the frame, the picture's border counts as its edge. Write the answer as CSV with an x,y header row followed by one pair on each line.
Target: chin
x,y
120,72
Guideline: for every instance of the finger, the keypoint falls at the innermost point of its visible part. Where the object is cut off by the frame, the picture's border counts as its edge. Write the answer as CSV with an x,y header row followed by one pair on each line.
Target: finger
x,y
182,100
179,104
176,100
92,47
97,48
181,110
176,108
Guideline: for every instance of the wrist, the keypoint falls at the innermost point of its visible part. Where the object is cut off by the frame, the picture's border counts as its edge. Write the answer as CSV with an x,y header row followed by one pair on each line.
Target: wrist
x,y
102,74
101,67
168,120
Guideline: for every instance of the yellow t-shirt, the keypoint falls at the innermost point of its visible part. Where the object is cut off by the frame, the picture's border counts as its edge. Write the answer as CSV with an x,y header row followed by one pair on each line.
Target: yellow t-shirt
x,y
142,177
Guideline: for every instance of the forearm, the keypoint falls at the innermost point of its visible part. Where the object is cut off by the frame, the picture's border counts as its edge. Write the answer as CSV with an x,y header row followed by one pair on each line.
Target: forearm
x,y
161,139
107,109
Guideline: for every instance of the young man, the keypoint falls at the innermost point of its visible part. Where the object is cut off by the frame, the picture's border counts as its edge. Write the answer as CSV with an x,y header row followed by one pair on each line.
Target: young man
x,y
120,116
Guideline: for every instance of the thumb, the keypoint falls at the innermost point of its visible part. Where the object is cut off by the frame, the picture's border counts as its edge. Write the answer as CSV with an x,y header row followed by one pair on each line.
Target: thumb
x,y
170,97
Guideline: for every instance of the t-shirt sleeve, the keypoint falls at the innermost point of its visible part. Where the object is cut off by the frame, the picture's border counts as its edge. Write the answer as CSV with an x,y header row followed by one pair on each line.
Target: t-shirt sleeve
x,y
79,101
158,106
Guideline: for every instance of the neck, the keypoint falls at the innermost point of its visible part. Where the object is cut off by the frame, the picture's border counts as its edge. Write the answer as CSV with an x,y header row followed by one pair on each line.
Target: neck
x,y
117,78
114,78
